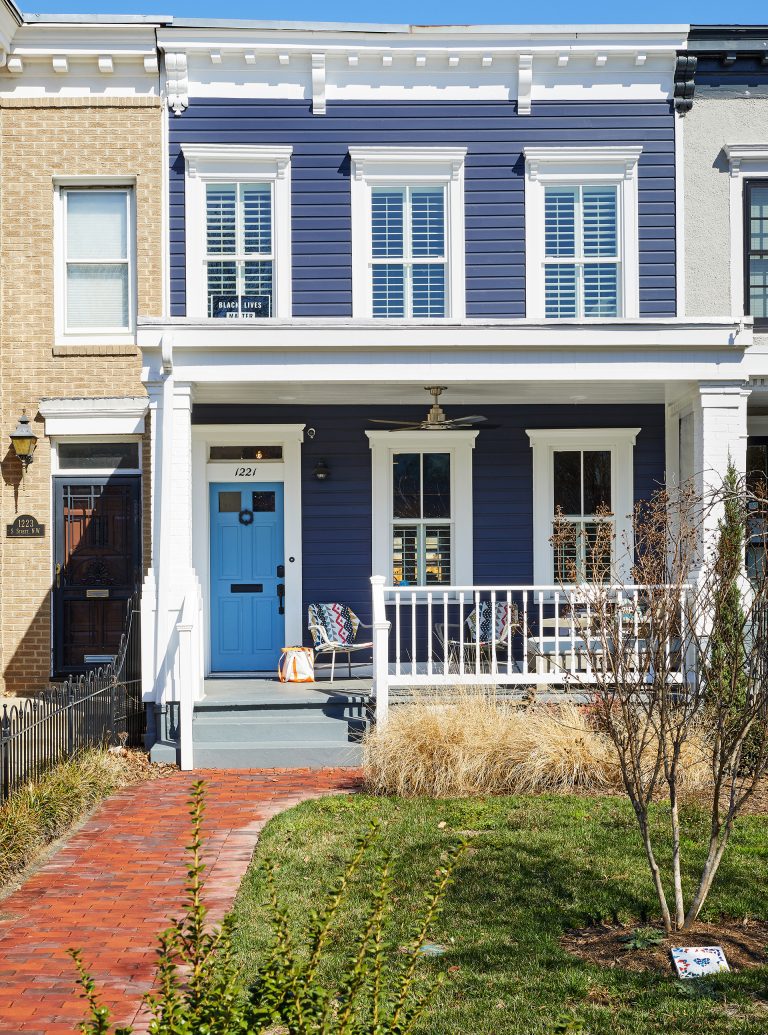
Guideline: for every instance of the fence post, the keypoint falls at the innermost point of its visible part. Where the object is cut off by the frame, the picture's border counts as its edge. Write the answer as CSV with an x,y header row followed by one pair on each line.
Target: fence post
x,y
380,651
5,751
113,739
70,719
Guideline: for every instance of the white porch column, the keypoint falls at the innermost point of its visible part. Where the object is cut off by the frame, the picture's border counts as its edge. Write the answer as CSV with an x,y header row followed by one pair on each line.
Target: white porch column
x,y
719,433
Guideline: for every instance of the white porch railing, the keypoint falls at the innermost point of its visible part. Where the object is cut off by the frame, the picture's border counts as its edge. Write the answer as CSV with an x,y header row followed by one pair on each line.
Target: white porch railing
x,y
422,637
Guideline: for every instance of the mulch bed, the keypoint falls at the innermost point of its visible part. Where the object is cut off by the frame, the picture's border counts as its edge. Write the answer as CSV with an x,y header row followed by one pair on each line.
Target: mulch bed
x,y
745,943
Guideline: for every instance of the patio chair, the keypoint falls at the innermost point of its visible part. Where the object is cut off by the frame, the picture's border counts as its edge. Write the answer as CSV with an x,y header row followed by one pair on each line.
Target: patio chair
x,y
484,637
334,631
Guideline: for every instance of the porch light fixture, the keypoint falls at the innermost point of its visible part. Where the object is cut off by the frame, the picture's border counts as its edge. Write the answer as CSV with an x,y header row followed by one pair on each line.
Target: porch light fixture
x,y
24,440
321,471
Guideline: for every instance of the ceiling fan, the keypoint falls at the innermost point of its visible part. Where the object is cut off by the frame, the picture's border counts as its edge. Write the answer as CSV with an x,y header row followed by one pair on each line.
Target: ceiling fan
x,y
436,419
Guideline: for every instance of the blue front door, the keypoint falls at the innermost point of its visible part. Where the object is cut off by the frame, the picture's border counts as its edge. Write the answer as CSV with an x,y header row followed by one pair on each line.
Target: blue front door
x,y
247,577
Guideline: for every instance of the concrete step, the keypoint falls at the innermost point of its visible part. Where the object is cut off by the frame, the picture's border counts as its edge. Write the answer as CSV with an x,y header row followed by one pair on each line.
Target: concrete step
x,y
295,728
276,755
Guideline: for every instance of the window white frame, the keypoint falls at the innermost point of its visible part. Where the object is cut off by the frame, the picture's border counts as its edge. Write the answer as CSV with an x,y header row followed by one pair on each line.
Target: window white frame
x,y
545,443
459,444
407,167
745,162
236,164
63,334
582,167
58,471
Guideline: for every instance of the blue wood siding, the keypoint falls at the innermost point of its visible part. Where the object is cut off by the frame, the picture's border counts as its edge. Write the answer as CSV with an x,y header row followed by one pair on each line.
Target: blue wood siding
x,y
495,218
336,513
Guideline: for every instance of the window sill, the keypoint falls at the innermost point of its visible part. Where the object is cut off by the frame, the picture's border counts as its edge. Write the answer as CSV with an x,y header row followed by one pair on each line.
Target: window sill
x,y
111,345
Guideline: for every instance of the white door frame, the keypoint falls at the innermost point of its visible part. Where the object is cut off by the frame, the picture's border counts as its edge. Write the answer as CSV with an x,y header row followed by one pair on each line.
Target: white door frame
x,y
290,437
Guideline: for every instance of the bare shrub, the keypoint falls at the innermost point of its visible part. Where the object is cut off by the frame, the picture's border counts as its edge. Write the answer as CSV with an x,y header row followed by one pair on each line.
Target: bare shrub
x,y
475,744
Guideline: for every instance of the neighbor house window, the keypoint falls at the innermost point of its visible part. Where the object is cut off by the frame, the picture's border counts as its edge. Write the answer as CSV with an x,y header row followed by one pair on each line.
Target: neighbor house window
x,y
756,252
581,238
98,260
239,268
422,507
583,496
581,252
408,251
237,207
408,232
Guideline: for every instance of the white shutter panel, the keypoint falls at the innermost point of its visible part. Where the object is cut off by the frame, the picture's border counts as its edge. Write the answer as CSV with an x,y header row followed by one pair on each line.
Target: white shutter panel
x,y
221,219
599,206
257,218
559,222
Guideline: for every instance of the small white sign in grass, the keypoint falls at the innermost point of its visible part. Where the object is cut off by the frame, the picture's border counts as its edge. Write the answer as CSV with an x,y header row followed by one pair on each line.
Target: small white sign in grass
x,y
699,961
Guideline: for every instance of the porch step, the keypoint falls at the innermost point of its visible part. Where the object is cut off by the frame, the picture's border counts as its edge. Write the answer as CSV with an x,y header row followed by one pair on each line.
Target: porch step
x,y
274,729
275,755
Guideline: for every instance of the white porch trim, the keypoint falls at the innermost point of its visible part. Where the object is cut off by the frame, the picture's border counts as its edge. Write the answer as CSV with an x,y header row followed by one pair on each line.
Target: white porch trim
x,y
94,417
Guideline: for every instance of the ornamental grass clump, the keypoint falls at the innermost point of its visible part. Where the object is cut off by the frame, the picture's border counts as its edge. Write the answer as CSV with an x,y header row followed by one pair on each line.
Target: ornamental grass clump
x,y
476,744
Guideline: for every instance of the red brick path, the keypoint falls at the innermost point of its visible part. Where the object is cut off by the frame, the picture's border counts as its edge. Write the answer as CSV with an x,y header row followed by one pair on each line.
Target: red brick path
x,y
118,881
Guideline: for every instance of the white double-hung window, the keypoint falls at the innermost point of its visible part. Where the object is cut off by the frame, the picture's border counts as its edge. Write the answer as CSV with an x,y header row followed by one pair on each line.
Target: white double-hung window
x,y
408,251
422,507
96,244
239,269
408,232
238,233
581,232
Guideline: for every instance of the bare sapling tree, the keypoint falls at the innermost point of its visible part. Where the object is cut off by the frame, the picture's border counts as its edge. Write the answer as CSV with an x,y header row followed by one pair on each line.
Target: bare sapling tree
x,y
673,646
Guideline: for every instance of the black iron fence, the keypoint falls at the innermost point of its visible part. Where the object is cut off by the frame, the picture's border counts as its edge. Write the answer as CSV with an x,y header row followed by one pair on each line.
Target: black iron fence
x,y
98,709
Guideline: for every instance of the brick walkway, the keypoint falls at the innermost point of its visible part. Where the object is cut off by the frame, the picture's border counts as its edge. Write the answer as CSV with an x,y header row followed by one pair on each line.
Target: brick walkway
x,y
116,883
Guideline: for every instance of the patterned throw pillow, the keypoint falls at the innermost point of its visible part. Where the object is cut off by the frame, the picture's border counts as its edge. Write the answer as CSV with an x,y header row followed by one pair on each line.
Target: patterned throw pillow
x,y
338,621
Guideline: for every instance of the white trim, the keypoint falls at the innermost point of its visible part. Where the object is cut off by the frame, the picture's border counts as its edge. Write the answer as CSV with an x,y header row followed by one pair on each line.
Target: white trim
x,y
91,336
237,163
745,162
580,166
544,442
404,166
460,445
680,285
290,436
94,418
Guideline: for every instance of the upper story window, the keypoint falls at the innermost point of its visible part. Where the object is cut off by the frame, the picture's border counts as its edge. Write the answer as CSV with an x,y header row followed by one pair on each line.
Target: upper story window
x,y
408,232
581,232
95,287
408,251
239,260
238,230
581,252
756,252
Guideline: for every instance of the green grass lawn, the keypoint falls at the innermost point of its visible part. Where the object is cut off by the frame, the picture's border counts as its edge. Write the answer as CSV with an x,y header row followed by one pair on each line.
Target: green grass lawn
x,y
537,866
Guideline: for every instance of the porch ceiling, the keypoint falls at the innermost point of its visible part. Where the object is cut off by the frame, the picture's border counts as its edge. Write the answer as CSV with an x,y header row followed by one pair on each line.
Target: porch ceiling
x,y
405,393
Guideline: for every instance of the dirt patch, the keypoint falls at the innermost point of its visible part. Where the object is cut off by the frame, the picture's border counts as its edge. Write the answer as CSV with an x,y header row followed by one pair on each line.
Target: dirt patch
x,y
745,943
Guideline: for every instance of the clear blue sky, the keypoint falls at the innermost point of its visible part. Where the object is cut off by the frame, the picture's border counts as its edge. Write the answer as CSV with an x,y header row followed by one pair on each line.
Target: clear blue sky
x,y
425,11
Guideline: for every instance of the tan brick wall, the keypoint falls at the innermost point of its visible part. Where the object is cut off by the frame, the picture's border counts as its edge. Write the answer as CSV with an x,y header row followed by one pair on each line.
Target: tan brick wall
x,y
40,140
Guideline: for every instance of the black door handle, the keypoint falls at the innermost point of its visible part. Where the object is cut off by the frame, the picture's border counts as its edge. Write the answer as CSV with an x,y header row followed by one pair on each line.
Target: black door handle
x,y
280,571
281,599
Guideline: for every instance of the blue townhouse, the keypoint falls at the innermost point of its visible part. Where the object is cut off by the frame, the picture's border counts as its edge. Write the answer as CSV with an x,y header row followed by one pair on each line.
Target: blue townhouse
x,y
424,289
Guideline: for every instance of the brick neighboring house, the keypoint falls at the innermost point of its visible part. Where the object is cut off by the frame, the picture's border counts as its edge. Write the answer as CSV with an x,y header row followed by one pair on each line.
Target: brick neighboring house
x,y
80,258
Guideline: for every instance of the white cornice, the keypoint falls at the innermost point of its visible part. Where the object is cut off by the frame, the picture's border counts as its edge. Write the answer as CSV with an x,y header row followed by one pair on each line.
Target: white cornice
x,y
740,153
110,416
367,161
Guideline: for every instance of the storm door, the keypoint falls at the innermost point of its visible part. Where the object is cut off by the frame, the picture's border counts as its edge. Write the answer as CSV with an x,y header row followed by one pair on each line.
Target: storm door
x,y
97,566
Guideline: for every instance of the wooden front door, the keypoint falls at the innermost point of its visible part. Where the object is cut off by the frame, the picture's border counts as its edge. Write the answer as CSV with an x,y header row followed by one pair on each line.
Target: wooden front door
x,y
97,566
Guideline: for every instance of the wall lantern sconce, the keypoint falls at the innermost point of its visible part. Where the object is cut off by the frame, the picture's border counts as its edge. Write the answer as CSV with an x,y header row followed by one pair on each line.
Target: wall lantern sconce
x,y
321,471
24,441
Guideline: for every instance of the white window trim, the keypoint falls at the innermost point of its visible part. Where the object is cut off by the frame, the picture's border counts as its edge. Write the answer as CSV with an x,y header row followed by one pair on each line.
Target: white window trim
x,y
94,418
407,166
544,442
745,162
91,336
579,166
237,163
460,445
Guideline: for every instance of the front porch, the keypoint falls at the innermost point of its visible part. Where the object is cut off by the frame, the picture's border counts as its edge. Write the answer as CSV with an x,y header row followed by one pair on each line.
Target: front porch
x,y
272,494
